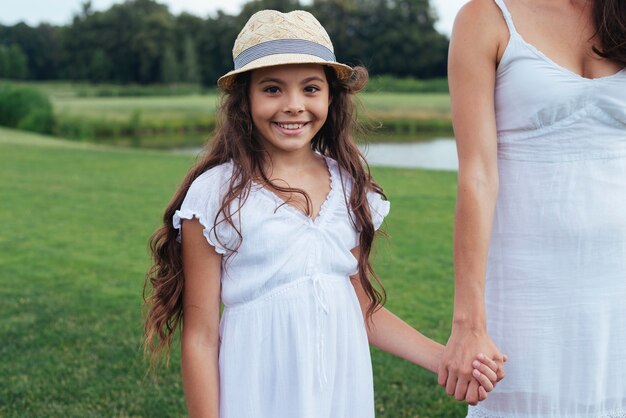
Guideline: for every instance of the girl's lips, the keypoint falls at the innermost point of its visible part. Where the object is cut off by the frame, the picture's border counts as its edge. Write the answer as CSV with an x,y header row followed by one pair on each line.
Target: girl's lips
x,y
291,125
291,128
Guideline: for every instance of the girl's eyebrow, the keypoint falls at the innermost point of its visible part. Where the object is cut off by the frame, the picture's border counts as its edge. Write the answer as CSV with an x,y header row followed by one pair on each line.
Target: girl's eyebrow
x,y
279,81
271,80
313,78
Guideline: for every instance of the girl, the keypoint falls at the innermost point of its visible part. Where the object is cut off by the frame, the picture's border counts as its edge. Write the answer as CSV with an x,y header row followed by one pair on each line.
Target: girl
x,y
276,223
539,110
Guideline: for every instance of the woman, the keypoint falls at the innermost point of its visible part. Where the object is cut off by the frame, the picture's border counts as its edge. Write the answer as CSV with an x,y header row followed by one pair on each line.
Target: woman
x,y
539,110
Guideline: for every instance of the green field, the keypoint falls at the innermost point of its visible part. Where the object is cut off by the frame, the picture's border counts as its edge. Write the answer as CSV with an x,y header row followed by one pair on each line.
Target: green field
x,y
179,121
73,254
151,117
82,100
378,104
120,108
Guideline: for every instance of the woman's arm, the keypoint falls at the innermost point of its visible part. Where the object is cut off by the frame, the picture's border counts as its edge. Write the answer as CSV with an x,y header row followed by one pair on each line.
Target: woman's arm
x,y
478,37
201,312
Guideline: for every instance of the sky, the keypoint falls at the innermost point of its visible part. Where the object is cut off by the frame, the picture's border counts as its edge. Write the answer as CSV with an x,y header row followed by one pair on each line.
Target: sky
x,y
60,12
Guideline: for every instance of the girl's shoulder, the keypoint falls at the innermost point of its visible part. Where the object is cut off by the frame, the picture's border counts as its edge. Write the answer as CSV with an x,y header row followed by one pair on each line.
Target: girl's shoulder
x,y
378,203
213,179
218,172
209,187
342,173
203,201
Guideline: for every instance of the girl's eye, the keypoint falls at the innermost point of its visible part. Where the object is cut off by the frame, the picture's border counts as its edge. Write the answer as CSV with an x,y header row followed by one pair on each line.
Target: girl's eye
x,y
311,89
271,89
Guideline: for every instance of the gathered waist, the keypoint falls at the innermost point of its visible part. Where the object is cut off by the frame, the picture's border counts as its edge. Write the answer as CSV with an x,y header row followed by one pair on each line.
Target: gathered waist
x,y
589,132
571,143
284,290
314,286
558,152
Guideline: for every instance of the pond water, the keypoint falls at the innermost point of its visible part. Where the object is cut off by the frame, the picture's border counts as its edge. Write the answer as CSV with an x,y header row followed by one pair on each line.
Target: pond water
x,y
433,154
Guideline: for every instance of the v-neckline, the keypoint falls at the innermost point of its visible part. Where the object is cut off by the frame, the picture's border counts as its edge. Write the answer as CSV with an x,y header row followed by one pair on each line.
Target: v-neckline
x,y
514,32
564,69
294,210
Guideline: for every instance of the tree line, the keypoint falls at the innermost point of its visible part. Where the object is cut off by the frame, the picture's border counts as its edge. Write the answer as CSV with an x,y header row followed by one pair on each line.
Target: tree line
x,y
140,41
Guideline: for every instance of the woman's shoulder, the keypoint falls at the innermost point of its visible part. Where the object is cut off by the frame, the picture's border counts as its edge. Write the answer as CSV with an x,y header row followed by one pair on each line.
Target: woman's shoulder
x,y
480,11
481,21
480,36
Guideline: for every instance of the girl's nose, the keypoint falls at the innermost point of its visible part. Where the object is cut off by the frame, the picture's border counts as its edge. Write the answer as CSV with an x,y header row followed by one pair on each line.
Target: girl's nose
x,y
294,104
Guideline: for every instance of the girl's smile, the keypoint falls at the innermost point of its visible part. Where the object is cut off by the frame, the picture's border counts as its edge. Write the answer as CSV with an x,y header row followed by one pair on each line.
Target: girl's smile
x,y
290,128
289,105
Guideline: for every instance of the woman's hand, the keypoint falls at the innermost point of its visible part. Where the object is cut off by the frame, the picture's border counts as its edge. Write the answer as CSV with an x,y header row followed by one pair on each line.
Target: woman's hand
x,y
464,375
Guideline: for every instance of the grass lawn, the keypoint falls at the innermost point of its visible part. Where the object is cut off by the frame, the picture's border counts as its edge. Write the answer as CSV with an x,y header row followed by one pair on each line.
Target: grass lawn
x,y
76,219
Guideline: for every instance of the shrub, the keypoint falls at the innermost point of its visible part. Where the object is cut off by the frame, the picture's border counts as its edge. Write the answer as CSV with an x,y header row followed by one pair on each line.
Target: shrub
x,y
133,90
407,85
25,108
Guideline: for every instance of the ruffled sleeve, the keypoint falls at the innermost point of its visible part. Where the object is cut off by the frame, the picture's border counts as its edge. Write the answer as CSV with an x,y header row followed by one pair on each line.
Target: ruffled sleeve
x,y
202,202
379,208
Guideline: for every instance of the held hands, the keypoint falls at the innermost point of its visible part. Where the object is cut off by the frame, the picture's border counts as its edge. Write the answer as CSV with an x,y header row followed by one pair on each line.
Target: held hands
x,y
467,376
485,372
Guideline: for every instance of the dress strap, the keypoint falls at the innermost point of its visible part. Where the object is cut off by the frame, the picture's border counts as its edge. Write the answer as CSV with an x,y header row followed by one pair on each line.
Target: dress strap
x,y
507,16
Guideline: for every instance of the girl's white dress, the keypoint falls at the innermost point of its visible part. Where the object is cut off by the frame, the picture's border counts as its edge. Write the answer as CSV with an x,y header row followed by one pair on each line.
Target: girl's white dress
x,y
293,339
556,281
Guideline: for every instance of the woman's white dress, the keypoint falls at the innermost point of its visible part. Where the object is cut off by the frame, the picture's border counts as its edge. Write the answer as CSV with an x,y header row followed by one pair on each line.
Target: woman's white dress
x,y
556,280
293,340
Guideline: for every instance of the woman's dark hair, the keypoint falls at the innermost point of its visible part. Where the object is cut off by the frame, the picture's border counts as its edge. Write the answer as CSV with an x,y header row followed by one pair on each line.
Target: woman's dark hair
x,y
610,21
235,140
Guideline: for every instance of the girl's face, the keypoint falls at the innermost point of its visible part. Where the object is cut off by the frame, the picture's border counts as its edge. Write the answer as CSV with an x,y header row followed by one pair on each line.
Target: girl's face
x,y
289,105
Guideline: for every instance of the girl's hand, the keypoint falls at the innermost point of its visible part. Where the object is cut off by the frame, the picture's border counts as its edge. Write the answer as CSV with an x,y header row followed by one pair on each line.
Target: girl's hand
x,y
486,373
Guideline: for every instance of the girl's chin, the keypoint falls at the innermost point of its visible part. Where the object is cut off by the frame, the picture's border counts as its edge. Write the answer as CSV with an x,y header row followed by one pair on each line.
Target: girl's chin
x,y
287,145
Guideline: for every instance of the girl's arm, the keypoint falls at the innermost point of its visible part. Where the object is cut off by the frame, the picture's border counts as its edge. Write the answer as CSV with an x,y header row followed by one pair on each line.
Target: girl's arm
x,y
391,334
201,312
478,39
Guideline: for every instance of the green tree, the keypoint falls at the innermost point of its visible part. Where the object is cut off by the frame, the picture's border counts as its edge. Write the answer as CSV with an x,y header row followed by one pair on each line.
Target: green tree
x,y
131,35
100,66
215,44
169,66
16,63
155,30
78,41
254,6
39,45
190,62
395,37
3,62
128,43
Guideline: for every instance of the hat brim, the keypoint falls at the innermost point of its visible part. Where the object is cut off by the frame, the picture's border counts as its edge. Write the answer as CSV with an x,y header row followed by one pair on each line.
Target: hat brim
x,y
343,71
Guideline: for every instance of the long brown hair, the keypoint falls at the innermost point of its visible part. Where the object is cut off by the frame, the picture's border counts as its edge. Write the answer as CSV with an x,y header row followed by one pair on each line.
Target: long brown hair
x,y
610,22
235,140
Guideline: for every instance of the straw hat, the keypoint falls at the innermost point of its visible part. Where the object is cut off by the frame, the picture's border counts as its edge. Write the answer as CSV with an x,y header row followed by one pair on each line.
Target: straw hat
x,y
273,38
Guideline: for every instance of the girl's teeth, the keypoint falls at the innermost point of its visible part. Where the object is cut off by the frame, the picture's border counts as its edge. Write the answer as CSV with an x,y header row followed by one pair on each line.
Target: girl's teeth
x,y
291,125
